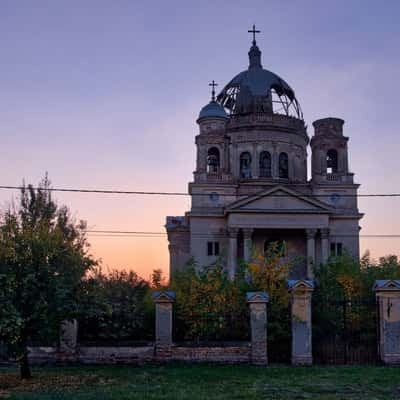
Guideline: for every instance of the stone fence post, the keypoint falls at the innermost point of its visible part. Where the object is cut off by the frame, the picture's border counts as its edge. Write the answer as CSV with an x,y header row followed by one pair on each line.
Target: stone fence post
x,y
300,301
69,337
258,325
388,298
163,346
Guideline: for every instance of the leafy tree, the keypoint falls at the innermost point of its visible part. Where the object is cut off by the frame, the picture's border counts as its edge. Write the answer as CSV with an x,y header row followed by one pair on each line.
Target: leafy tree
x,y
208,305
120,308
346,278
43,258
269,272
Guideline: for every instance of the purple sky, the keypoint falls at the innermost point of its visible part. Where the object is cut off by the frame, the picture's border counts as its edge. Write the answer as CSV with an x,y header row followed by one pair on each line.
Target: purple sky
x,y
105,94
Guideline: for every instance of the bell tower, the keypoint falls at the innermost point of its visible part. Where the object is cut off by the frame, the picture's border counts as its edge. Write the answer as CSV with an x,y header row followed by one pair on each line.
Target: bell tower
x,y
329,152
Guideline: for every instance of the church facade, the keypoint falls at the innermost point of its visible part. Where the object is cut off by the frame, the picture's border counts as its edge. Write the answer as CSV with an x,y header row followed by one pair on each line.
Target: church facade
x,y
251,185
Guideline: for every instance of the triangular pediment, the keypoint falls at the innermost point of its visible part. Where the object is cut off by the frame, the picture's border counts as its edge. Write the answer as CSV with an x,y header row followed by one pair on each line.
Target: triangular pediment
x,y
300,284
257,297
164,296
387,284
279,199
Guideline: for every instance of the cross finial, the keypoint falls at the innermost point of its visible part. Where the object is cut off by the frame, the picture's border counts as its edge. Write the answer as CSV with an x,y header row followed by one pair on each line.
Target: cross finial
x,y
213,84
254,31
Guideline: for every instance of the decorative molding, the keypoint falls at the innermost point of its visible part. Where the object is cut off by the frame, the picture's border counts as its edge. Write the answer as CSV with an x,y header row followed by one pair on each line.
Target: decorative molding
x,y
311,233
325,233
247,232
233,232
257,297
387,285
166,296
300,284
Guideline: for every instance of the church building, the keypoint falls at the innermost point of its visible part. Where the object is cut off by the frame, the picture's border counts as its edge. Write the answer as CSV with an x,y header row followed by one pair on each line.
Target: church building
x,y
251,185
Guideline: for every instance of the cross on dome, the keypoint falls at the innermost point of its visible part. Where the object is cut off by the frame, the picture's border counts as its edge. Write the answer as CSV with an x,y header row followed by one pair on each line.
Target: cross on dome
x,y
254,31
213,84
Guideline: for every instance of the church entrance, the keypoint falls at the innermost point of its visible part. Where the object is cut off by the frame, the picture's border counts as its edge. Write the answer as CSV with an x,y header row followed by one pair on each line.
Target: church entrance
x,y
289,242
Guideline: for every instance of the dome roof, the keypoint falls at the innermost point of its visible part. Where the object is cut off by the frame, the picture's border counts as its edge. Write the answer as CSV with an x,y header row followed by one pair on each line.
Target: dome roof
x,y
259,90
213,109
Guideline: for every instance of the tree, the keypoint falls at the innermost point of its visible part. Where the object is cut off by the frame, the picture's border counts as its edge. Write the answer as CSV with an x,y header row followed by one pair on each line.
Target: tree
x,y
43,258
118,307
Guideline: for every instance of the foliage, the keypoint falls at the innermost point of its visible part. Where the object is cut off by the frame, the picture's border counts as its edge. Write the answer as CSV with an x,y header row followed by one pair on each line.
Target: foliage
x,y
118,308
346,278
269,272
209,306
344,302
43,257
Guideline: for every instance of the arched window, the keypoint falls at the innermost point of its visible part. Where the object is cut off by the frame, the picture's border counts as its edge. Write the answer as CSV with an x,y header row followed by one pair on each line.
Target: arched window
x,y
265,165
245,165
283,166
331,161
213,160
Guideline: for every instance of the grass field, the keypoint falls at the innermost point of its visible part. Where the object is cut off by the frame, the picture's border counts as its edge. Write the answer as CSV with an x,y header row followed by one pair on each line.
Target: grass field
x,y
185,381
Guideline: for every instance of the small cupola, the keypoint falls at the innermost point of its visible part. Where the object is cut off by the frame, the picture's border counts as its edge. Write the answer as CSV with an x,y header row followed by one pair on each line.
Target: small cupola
x,y
213,109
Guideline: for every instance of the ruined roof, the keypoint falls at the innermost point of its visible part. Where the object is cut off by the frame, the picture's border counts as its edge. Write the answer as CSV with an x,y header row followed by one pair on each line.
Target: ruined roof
x,y
259,90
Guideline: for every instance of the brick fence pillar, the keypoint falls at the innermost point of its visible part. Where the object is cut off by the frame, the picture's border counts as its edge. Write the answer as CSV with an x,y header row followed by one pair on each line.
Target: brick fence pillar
x,y
258,324
163,347
388,298
69,337
300,301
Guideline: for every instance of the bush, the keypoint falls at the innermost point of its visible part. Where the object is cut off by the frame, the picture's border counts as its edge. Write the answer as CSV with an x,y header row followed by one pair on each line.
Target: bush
x,y
118,309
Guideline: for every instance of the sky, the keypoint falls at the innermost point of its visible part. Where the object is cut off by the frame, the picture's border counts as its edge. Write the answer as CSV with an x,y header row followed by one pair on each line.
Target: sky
x,y
105,94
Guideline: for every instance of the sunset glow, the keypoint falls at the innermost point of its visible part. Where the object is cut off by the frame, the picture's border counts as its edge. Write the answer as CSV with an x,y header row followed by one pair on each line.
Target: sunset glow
x,y
105,96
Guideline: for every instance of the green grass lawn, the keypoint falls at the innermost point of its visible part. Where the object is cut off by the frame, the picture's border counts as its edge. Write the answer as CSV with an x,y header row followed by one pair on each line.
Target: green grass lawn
x,y
185,381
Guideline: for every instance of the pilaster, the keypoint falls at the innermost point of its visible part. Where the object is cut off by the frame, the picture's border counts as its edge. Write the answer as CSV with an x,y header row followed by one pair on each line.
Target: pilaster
x,y
258,323
300,301
163,301
388,299
310,233
247,235
232,252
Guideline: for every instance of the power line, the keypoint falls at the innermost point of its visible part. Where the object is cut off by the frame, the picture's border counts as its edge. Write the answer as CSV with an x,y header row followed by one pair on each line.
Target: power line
x,y
147,193
116,233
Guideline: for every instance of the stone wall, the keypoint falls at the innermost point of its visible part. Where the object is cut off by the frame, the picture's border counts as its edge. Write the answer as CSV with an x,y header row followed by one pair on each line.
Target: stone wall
x,y
238,353
222,352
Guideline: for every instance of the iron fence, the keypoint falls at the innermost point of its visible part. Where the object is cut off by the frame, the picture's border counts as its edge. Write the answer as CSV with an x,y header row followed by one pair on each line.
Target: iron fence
x,y
114,332
279,333
211,327
345,331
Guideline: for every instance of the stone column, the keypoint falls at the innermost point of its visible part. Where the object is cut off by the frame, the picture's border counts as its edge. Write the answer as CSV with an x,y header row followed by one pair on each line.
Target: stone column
x,y
388,298
310,252
254,162
324,245
275,162
291,160
300,301
163,345
247,233
232,252
258,325
69,337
